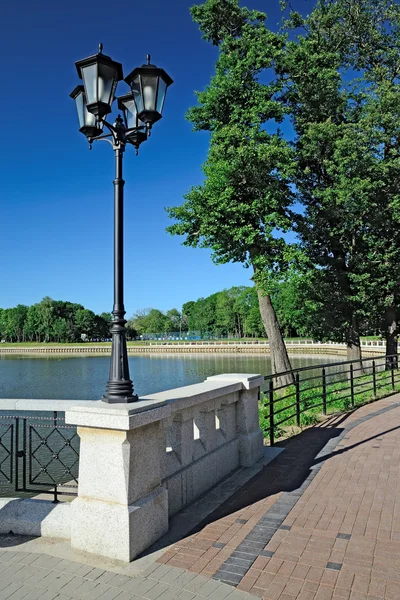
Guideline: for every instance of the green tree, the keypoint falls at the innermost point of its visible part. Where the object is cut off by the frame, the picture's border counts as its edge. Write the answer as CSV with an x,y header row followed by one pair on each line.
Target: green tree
x,y
173,320
31,326
85,322
342,77
244,200
60,330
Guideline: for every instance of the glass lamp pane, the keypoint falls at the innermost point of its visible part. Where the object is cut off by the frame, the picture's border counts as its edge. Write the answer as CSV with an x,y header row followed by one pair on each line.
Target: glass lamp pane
x,y
90,120
106,83
130,113
162,88
137,95
80,108
149,87
89,76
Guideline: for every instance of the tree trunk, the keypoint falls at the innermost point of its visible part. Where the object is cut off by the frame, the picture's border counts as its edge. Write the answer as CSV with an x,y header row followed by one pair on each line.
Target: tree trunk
x,y
391,333
354,344
279,357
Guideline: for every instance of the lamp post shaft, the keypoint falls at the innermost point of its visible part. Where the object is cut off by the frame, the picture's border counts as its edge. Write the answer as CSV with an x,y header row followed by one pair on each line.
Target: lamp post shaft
x,y
119,388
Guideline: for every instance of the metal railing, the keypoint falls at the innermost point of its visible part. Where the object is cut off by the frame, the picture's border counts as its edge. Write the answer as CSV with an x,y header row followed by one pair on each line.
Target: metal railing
x,y
300,396
38,454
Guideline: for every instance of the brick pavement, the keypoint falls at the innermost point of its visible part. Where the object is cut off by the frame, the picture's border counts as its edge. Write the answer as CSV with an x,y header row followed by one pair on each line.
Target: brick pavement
x,y
33,576
321,522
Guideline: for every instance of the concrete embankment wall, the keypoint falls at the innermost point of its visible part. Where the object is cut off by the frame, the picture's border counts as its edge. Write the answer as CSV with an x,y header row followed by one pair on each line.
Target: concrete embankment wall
x,y
220,348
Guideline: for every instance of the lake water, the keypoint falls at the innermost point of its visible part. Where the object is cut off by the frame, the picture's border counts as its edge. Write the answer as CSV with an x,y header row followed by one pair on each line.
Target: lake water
x,y
84,377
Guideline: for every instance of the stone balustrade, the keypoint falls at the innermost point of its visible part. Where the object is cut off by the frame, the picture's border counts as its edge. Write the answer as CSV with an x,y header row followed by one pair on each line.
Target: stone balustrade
x,y
141,463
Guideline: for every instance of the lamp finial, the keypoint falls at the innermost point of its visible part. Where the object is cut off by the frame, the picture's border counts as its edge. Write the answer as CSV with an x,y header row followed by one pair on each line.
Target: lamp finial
x,y
148,59
100,48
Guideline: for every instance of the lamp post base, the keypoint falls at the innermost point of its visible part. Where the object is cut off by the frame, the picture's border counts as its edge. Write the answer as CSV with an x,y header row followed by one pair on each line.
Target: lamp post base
x,y
119,388
116,399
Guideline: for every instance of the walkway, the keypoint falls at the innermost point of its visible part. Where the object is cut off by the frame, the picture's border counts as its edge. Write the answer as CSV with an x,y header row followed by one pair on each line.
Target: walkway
x,y
320,522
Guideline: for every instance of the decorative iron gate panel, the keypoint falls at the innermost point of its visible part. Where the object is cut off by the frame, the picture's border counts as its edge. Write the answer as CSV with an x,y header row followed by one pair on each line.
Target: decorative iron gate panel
x,y
38,454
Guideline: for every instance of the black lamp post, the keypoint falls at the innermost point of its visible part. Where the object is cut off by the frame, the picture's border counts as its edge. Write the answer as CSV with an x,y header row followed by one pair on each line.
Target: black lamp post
x,y
141,108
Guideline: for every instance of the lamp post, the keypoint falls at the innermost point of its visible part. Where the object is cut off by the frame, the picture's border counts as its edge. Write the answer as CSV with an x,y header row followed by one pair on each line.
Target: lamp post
x,y
141,108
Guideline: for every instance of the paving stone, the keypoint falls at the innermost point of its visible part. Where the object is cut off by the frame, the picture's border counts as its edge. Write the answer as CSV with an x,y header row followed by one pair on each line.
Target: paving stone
x,y
10,570
229,577
150,569
9,589
221,593
33,593
208,588
84,570
106,577
172,575
28,558
184,579
84,589
125,596
73,585
118,580
185,596
44,560
111,594
36,579
93,574
193,584
161,571
56,580
139,586
344,536
97,591
157,591
48,595
334,566
21,593
240,562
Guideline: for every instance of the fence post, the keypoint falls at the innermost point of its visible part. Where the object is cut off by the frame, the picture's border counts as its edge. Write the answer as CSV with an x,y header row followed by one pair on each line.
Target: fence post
x,y
392,369
271,412
374,376
352,385
323,390
298,399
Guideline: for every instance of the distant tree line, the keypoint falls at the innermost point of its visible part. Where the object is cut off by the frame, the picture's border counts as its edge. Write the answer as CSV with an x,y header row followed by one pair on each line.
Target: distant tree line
x,y
232,313
52,321
235,313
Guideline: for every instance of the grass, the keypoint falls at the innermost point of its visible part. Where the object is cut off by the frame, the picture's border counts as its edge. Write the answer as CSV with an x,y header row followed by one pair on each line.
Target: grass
x,y
338,399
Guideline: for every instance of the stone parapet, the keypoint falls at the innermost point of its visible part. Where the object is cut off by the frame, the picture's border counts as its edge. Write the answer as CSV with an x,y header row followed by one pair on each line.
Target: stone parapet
x,y
143,462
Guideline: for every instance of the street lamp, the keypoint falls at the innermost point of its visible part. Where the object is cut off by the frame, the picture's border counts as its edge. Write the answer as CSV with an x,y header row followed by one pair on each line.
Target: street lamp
x,y
141,108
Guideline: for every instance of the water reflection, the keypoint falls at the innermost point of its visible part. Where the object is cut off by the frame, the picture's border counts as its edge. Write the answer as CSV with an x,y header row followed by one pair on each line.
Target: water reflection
x,y
84,377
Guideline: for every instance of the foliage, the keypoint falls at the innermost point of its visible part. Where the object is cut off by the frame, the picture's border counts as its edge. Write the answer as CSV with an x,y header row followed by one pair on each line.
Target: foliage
x,y
52,321
341,87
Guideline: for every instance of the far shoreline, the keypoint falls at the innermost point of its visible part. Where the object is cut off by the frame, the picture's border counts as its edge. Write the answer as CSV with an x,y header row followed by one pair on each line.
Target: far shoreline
x,y
218,347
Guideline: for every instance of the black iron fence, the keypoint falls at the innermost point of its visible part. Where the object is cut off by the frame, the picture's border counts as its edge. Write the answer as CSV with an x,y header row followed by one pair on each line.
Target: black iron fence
x,y
38,454
299,397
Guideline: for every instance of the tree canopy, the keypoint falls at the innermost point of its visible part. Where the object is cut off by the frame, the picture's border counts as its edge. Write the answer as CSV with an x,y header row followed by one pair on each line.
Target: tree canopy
x,y
52,321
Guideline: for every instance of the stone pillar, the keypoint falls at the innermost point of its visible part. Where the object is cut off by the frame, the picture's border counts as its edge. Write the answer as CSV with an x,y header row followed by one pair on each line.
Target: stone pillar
x,y
251,438
121,507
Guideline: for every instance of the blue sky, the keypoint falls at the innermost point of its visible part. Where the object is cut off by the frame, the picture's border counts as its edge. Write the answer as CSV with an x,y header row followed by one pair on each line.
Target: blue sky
x,y
56,197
